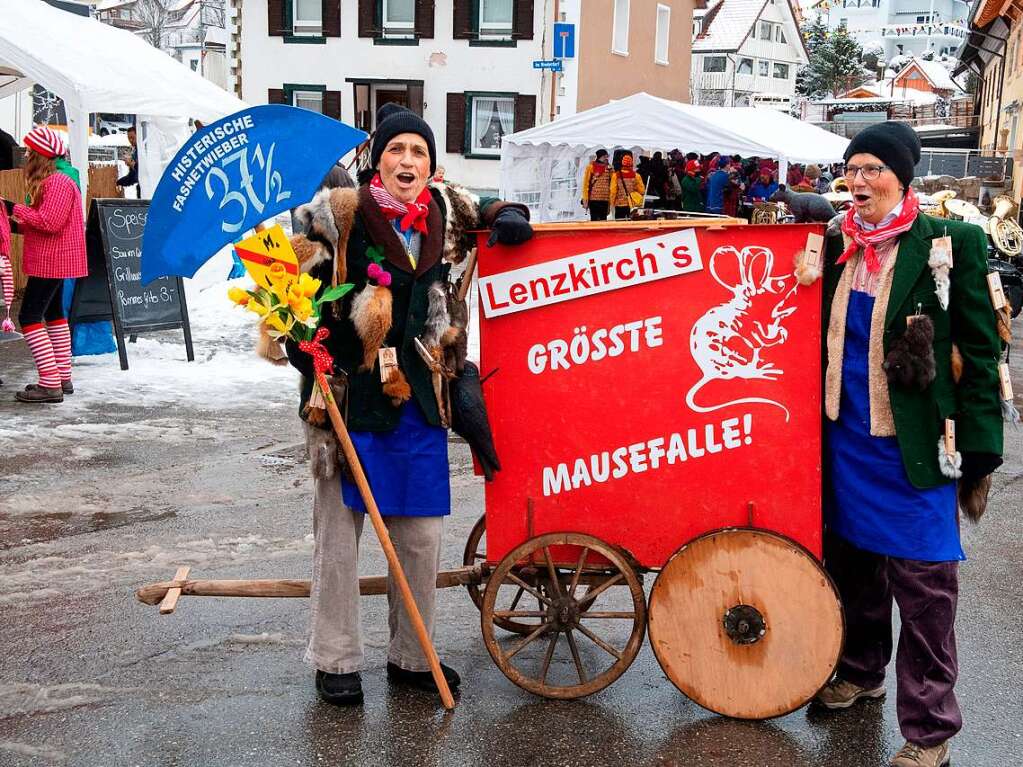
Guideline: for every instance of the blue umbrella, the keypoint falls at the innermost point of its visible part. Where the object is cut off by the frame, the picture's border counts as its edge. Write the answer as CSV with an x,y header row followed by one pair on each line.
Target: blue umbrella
x,y
234,174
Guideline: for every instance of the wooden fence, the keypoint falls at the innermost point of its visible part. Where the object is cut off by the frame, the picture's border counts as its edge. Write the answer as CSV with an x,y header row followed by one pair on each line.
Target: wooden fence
x,y
102,183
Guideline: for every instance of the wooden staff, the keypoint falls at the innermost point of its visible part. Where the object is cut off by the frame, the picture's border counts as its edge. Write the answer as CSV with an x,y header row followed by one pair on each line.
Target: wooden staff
x,y
385,542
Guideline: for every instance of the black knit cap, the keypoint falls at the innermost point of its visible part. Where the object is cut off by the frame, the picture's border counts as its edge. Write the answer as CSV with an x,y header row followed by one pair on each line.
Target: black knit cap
x,y
393,119
893,143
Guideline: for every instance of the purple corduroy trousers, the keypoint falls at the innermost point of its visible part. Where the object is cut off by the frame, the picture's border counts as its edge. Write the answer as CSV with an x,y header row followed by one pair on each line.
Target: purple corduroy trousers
x,y
925,665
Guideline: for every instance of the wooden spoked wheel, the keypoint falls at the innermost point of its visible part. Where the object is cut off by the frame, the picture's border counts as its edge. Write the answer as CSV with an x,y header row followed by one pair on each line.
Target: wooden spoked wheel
x,y
746,623
475,553
580,640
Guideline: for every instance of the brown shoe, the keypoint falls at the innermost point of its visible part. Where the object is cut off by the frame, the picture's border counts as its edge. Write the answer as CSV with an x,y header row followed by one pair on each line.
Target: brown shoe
x,y
839,693
913,755
65,386
39,394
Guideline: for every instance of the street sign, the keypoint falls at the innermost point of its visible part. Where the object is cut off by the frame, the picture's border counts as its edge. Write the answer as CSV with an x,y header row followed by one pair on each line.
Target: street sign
x,y
552,64
564,41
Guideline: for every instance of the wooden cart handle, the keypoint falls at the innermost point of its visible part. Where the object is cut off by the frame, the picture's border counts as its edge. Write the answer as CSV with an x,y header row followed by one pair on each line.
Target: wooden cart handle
x,y
385,542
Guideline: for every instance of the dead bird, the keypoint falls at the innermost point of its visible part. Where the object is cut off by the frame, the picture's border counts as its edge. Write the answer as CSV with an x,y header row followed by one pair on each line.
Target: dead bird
x,y
469,418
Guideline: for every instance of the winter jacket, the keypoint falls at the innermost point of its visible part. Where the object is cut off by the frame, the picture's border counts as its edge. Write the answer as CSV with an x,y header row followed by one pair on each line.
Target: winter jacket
x,y
692,197
762,191
622,189
716,184
596,186
969,323
54,231
368,408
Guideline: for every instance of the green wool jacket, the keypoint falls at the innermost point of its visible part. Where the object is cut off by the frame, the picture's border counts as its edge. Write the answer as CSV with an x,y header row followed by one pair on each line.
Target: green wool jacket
x,y
969,323
367,407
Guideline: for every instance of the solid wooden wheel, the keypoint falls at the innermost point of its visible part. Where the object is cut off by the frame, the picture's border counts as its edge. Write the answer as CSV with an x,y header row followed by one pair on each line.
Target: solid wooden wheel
x,y
746,623
580,640
475,552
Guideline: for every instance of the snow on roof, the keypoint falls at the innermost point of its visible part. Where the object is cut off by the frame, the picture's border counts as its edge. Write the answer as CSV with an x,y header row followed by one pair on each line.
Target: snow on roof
x,y
883,90
216,36
106,5
935,72
727,24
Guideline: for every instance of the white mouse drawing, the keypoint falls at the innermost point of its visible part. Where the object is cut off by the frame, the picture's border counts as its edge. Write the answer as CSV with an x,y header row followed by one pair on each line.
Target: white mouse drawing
x,y
727,342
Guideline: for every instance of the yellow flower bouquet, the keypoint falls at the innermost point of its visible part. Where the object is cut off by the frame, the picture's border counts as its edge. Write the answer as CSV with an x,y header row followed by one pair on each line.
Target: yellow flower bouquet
x,y
285,301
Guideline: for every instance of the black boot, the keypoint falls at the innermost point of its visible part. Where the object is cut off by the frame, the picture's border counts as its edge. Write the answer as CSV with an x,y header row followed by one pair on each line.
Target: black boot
x,y
421,680
339,689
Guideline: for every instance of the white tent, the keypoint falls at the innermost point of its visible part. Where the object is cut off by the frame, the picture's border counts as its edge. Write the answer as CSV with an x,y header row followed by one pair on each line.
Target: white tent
x,y
98,68
542,167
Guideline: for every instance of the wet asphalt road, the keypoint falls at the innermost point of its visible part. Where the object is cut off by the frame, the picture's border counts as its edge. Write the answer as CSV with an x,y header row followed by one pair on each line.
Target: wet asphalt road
x,y
89,676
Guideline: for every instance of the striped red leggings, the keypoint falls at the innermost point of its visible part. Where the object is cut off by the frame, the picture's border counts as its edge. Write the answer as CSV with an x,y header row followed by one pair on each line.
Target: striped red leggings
x,y
46,331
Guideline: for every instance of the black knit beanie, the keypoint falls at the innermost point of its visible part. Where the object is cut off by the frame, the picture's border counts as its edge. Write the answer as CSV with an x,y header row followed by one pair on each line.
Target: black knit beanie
x,y
893,143
392,120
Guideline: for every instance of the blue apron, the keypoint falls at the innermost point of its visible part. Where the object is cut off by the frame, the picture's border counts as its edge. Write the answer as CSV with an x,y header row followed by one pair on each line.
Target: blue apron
x,y
872,503
407,467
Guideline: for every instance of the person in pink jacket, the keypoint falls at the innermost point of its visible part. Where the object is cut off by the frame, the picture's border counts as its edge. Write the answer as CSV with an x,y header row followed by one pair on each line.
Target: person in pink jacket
x,y
54,249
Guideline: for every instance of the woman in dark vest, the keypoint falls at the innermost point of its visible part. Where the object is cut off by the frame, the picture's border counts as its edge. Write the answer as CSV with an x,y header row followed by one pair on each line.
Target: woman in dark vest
x,y
395,241
911,341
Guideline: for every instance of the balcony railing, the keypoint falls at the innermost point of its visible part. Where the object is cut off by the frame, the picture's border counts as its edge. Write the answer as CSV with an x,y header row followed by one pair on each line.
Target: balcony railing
x,y
852,127
924,30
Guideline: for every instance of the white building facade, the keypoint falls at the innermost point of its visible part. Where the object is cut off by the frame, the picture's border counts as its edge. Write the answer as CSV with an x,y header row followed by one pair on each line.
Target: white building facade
x,y
903,27
466,66
746,53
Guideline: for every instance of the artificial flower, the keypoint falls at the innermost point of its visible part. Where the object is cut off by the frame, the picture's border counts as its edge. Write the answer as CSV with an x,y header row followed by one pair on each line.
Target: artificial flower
x,y
275,322
308,285
239,296
258,307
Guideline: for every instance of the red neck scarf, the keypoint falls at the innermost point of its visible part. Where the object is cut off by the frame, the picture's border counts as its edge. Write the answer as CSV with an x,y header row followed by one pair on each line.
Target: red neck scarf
x,y
868,240
598,168
412,214
627,171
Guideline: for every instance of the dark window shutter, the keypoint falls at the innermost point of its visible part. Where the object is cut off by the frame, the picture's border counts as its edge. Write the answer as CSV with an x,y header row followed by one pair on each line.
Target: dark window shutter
x,y
462,27
277,25
456,123
522,21
424,19
332,18
368,23
276,96
415,98
332,104
525,112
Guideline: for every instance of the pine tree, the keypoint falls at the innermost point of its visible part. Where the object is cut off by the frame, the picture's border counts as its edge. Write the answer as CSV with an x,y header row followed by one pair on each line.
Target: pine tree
x,y
834,64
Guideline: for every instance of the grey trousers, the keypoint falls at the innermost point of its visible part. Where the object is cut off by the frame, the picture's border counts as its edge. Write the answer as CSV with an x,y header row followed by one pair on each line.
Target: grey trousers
x,y
335,637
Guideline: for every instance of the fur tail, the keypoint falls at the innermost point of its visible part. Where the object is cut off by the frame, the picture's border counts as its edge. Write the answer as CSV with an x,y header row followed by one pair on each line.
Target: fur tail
x,y
691,401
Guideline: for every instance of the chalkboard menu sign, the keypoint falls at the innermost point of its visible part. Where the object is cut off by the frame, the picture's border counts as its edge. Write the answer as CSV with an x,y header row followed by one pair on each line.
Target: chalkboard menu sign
x,y
114,290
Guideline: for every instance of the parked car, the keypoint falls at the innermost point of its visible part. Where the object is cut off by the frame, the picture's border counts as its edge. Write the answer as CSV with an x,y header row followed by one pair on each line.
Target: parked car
x,y
106,126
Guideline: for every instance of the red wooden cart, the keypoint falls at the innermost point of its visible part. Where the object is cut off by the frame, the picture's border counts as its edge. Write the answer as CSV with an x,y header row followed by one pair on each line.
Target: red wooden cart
x,y
654,394
655,404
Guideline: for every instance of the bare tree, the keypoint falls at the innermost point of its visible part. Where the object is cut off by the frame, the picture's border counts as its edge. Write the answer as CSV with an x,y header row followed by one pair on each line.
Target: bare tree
x,y
153,16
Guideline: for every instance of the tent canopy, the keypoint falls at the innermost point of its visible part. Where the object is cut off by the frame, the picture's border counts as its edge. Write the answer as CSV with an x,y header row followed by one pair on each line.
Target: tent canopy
x,y
542,167
94,67
652,123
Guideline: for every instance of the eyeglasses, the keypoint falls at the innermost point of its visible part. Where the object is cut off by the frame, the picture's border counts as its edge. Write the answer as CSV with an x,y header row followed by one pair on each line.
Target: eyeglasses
x,y
870,172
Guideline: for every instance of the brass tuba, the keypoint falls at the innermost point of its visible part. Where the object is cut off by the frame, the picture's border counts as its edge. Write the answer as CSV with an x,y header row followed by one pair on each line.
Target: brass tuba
x,y
939,199
1006,234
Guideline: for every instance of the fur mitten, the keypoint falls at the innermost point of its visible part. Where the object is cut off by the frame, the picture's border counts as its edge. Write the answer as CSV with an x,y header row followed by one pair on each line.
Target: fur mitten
x,y
910,362
806,273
